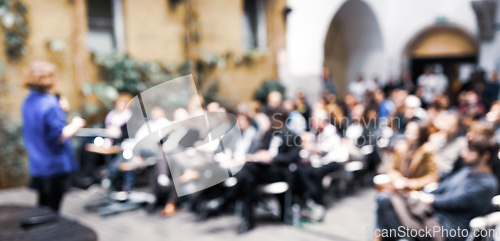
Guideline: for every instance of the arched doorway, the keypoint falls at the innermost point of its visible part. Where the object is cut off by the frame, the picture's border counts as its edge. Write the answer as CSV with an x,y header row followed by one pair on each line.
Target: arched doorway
x,y
353,44
445,45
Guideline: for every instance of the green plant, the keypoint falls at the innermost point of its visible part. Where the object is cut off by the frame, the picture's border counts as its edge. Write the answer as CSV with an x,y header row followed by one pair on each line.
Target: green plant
x,y
267,87
122,73
13,166
13,163
14,24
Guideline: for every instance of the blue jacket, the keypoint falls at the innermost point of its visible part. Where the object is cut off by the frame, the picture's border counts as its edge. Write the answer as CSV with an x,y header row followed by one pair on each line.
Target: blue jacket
x,y
462,197
43,121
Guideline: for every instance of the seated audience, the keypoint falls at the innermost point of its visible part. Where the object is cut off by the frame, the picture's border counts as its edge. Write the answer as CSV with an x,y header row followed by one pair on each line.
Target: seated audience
x,y
358,88
387,107
125,168
278,148
274,100
116,118
447,142
318,158
493,116
457,199
491,90
329,86
115,125
414,160
303,107
471,106
296,122
208,202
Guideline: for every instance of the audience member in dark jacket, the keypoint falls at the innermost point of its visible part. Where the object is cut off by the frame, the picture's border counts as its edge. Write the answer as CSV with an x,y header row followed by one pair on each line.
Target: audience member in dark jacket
x,y
464,196
458,199
278,149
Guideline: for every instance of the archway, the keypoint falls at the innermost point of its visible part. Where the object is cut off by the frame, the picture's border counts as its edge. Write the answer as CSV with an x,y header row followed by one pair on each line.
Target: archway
x,y
353,44
442,44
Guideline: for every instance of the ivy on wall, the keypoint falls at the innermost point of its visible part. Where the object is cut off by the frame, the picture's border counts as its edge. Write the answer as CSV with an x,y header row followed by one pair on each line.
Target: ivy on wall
x,y
13,163
122,73
14,24
267,87
13,166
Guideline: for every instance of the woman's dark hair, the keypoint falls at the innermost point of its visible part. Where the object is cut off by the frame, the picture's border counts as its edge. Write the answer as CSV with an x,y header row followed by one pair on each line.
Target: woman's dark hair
x,y
482,130
485,146
370,108
248,118
278,114
423,133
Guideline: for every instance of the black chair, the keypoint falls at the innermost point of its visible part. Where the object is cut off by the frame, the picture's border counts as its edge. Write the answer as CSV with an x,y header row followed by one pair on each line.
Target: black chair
x,y
116,201
281,190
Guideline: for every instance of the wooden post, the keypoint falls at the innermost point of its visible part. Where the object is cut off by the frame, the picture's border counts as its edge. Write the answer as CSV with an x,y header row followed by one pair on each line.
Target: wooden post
x,y
80,53
190,17
275,30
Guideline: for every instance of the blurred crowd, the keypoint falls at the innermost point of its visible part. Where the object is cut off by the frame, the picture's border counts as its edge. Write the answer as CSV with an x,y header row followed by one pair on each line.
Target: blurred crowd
x,y
416,133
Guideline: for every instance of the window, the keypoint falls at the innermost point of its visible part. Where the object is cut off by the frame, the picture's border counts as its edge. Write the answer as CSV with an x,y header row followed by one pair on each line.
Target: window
x,y
254,24
105,23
